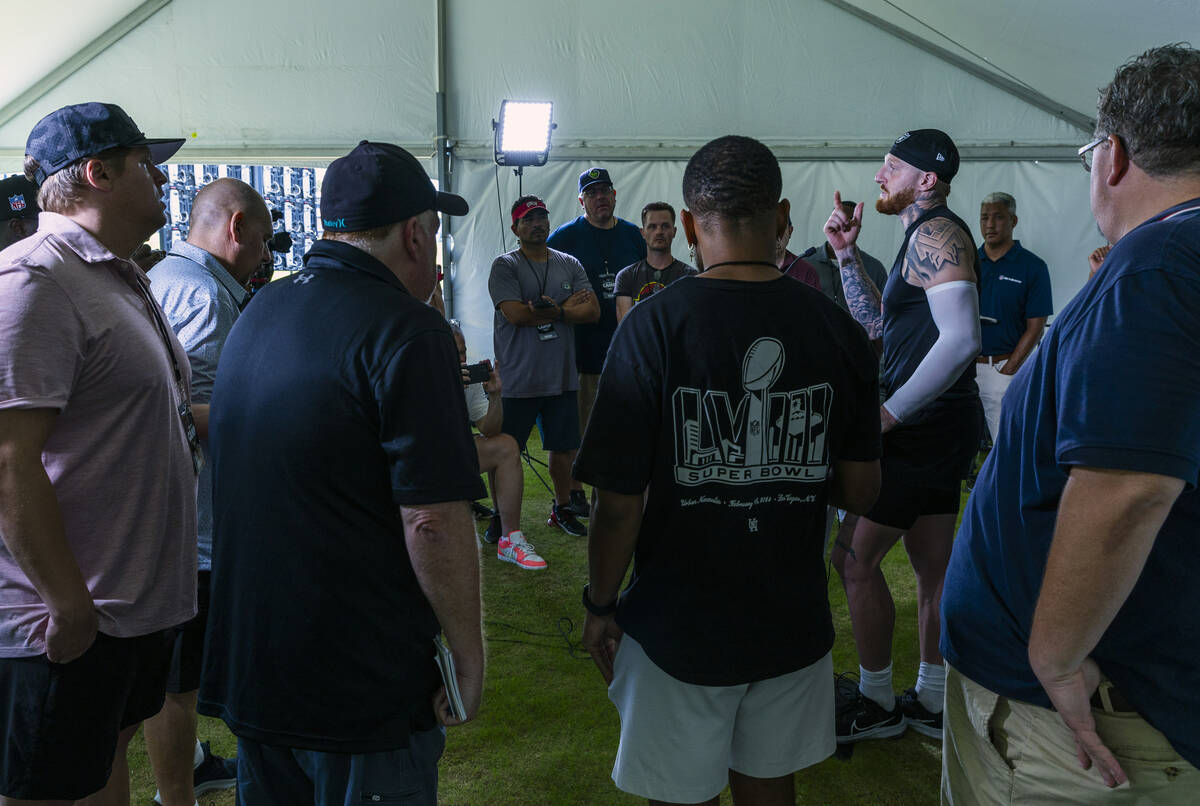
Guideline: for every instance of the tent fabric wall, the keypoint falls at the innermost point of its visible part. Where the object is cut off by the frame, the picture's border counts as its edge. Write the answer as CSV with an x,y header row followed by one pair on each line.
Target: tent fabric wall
x,y
790,71
246,80
299,83
1055,220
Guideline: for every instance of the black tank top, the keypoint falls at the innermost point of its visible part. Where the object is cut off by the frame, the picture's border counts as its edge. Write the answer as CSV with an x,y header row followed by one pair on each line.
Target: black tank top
x,y
908,328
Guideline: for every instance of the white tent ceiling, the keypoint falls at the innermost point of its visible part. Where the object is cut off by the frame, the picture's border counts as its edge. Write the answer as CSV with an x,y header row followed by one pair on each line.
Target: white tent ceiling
x,y
827,83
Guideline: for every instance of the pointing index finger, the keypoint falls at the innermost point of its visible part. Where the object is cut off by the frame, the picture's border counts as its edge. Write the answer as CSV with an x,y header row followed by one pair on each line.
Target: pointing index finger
x,y
837,199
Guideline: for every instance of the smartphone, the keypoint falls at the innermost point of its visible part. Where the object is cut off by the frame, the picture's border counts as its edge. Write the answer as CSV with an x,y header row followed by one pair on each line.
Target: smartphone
x,y
476,373
543,303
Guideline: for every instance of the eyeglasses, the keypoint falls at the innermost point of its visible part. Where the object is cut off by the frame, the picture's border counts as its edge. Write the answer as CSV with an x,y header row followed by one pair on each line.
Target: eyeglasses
x,y
1085,153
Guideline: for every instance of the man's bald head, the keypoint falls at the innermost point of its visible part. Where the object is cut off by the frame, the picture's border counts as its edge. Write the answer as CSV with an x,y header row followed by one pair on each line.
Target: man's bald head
x,y
217,201
231,222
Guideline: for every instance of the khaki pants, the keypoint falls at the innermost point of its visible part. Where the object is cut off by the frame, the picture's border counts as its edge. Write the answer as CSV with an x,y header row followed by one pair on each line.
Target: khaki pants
x,y
1001,751
992,386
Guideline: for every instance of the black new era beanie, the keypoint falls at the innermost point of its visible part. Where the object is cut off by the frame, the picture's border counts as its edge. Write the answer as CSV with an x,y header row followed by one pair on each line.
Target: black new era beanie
x,y
928,150
378,184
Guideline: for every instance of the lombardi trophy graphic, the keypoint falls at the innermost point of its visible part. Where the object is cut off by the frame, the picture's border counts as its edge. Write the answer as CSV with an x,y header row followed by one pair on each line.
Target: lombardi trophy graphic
x,y
761,367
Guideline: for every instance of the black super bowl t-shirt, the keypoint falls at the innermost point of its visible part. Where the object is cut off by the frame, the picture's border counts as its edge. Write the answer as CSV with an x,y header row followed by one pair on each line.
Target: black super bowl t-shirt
x,y
731,400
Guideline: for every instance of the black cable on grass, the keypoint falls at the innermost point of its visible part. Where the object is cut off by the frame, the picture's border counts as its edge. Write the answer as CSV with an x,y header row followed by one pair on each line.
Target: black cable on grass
x,y
529,460
565,628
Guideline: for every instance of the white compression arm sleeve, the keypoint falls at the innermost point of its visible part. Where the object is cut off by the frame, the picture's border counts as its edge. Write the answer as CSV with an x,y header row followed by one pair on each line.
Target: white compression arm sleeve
x,y
955,309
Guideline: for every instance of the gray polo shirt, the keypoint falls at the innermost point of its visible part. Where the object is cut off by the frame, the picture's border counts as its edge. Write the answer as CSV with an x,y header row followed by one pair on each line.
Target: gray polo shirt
x,y
532,363
831,275
202,301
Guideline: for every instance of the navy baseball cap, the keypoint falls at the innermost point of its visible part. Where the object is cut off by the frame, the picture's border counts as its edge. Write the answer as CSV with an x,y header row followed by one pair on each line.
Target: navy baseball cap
x,y
378,184
18,198
928,150
593,176
85,130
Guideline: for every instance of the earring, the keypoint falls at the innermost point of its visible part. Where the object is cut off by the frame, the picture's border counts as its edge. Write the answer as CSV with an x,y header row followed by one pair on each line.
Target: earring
x,y
692,253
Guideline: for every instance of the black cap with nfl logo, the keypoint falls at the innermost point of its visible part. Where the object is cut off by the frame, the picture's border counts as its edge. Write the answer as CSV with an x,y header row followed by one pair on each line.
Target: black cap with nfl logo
x,y
18,198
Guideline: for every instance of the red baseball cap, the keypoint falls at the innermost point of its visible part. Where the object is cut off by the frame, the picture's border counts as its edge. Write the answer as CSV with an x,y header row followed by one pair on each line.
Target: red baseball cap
x,y
528,207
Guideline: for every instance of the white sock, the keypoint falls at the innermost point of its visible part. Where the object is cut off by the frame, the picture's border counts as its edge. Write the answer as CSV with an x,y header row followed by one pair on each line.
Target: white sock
x,y
878,686
931,686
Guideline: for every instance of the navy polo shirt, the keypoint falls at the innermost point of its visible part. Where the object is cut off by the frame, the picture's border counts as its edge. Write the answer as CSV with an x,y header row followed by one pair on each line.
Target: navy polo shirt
x,y
1012,289
1116,384
338,398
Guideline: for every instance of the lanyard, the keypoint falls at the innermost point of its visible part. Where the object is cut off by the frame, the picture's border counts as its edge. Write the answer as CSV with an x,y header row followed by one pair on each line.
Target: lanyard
x,y
603,240
186,421
545,274
152,309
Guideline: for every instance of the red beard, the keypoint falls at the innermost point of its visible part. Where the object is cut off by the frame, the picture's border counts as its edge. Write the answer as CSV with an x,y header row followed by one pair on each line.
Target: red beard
x,y
896,202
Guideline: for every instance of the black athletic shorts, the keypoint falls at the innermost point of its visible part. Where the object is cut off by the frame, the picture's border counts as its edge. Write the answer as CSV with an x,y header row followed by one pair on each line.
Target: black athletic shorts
x,y
557,417
61,720
936,449
900,504
187,652
924,463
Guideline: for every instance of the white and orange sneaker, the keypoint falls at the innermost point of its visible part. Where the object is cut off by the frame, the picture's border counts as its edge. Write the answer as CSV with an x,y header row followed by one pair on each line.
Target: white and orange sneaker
x,y
514,548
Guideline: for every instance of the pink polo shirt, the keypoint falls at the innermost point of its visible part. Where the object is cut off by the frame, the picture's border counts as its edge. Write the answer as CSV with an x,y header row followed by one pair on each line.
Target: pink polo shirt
x,y
76,335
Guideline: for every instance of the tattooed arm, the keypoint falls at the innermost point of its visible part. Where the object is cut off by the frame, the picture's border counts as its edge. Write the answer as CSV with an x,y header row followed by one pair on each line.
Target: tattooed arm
x,y
862,297
940,252
940,260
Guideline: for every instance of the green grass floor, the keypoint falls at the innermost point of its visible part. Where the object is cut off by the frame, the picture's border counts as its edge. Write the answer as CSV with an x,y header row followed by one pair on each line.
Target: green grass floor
x,y
547,734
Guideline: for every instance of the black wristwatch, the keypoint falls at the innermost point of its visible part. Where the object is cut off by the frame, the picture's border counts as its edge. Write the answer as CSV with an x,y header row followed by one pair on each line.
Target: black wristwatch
x,y
595,609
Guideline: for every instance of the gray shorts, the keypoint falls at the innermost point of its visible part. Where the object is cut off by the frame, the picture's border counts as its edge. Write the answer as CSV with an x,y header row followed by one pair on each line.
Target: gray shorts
x,y
678,740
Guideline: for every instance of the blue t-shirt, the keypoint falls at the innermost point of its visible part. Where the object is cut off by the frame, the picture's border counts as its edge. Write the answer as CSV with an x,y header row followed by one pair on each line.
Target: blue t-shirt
x,y
730,400
1012,289
603,253
202,301
1116,384
338,400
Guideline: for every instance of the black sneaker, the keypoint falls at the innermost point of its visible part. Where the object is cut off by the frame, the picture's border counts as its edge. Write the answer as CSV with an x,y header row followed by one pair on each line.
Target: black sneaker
x,y
564,519
213,773
920,718
481,512
578,505
859,717
493,533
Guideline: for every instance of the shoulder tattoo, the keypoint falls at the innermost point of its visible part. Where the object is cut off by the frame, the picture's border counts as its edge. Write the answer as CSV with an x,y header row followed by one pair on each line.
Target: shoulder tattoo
x,y
936,245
